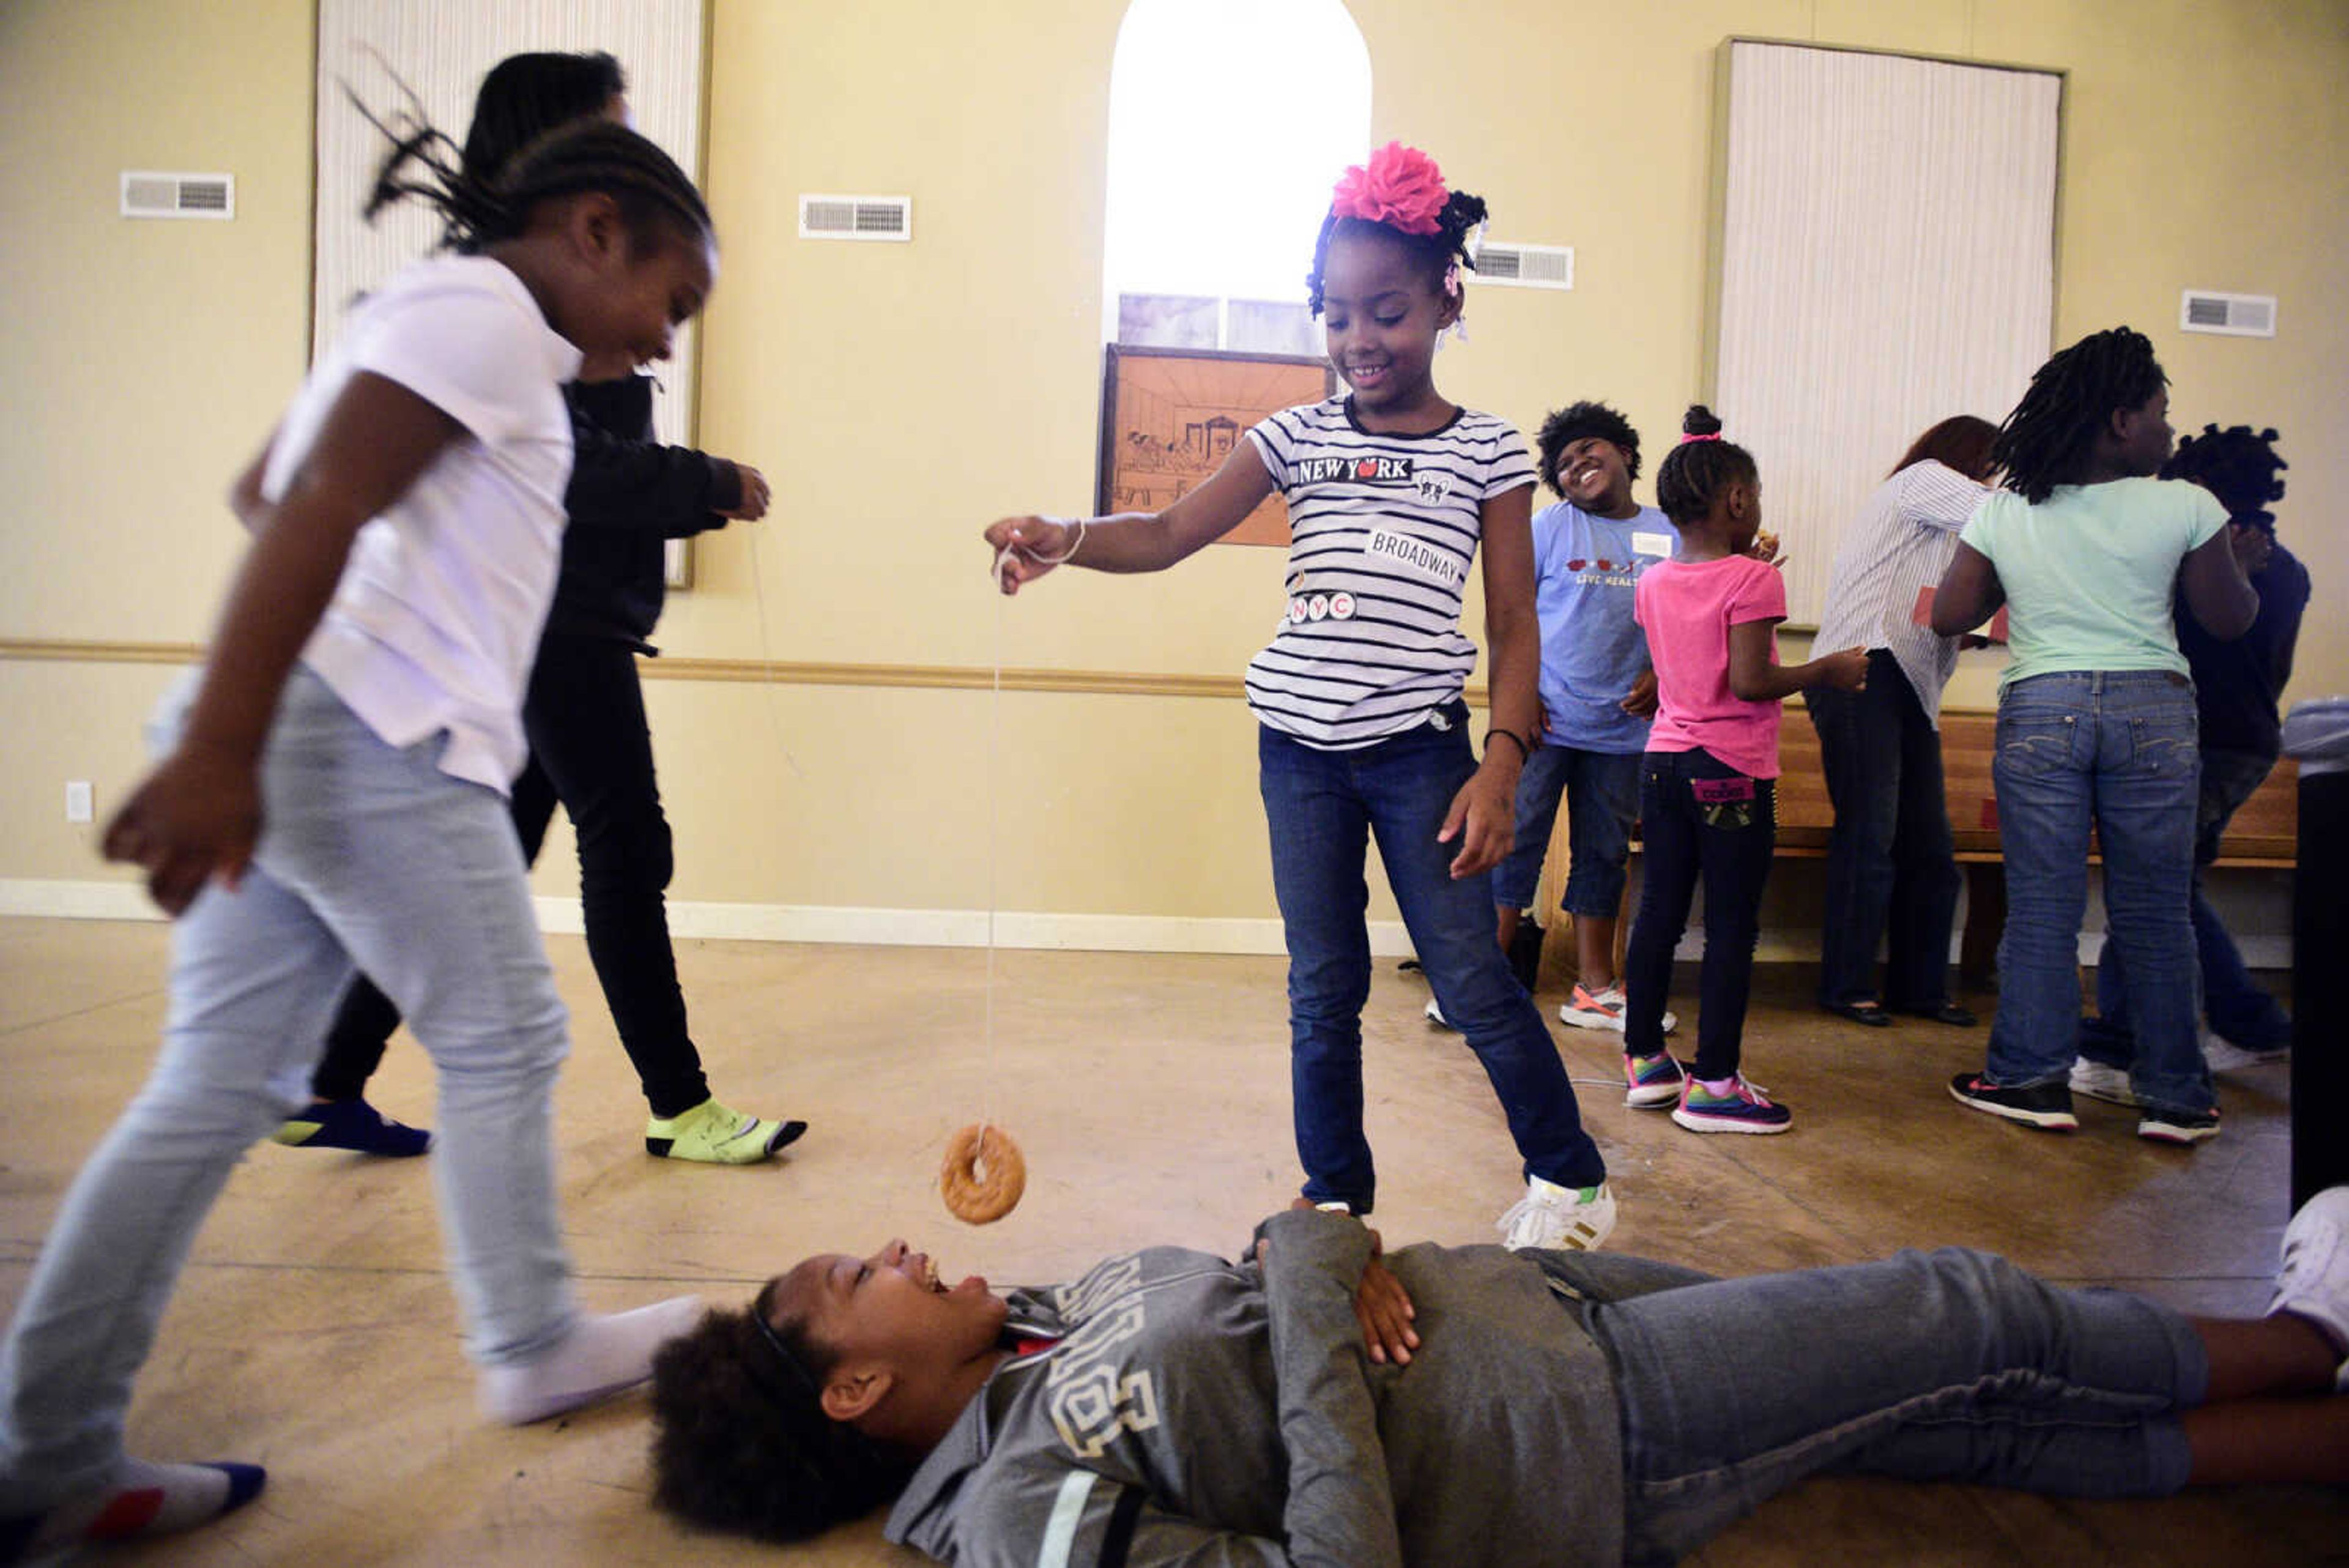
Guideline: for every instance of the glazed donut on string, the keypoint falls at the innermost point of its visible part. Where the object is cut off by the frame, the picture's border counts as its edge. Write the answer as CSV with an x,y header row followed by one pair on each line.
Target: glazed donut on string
x,y
983,1174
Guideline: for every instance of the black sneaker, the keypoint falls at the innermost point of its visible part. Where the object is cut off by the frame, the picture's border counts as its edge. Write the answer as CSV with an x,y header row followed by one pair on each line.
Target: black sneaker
x,y
2047,1106
2178,1126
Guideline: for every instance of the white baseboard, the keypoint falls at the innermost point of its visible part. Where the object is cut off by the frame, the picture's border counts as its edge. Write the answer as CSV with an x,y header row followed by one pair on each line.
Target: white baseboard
x,y
96,900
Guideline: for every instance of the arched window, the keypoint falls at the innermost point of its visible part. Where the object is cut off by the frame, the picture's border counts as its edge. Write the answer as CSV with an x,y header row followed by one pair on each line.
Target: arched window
x,y
1228,123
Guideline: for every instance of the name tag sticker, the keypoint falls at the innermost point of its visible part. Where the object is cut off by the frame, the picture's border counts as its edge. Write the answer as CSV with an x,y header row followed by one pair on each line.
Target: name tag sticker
x,y
1652,545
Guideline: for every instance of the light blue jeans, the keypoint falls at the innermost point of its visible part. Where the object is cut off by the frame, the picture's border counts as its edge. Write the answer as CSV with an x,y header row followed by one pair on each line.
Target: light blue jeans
x,y
1947,1366
367,854
2117,751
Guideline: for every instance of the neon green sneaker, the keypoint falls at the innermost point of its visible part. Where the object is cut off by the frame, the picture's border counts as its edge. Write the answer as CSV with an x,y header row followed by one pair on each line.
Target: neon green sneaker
x,y
714,1136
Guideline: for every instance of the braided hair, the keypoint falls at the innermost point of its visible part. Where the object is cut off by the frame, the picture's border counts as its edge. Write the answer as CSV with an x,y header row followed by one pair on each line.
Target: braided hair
x,y
1579,422
584,155
2049,438
2237,466
740,1439
1698,470
526,96
1434,253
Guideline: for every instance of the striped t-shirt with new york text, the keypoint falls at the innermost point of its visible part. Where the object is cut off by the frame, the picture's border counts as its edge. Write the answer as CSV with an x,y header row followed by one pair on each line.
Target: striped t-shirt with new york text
x,y
1382,531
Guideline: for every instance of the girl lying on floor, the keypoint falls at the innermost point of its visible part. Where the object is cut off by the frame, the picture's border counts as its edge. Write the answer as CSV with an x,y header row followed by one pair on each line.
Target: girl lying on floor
x,y
1320,1404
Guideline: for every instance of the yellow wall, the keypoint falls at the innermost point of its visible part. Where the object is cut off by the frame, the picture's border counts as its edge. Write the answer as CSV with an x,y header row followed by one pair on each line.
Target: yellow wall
x,y
899,397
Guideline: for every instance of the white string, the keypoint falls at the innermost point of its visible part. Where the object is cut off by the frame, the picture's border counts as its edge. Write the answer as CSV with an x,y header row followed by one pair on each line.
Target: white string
x,y
767,652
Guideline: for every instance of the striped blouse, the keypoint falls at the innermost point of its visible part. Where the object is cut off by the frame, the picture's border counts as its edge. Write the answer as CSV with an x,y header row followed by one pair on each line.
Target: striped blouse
x,y
1898,549
1382,531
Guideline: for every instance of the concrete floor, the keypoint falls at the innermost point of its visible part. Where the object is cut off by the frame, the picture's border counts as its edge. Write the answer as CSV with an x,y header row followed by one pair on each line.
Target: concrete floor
x,y
313,1330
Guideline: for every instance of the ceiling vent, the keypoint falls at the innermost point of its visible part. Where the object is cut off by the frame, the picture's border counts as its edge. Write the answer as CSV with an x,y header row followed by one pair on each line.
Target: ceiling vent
x,y
1526,266
148,194
856,217
2234,315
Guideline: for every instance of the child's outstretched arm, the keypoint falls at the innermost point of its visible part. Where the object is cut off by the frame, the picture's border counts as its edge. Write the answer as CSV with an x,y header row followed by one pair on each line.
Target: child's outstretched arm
x,y
1133,541
1754,679
198,815
1483,814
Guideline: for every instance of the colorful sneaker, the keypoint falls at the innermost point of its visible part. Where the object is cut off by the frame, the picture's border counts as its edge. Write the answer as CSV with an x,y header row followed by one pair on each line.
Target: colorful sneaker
x,y
2312,1280
1651,1083
2178,1126
1436,1015
2100,1081
352,1125
1743,1108
1601,1009
2047,1106
1559,1219
714,1136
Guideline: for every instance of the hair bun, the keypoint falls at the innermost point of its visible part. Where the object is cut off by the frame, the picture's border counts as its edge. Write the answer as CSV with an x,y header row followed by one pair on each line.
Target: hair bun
x,y
1700,420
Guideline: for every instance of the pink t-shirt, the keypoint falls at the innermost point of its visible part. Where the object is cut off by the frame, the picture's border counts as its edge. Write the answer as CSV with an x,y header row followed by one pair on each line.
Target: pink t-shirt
x,y
1687,608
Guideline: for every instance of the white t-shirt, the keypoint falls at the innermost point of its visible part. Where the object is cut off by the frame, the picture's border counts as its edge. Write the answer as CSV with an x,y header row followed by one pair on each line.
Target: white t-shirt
x,y
1382,531
436,622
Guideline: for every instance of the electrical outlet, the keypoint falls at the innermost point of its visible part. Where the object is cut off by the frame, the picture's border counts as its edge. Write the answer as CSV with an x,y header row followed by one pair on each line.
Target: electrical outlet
x,y
80,805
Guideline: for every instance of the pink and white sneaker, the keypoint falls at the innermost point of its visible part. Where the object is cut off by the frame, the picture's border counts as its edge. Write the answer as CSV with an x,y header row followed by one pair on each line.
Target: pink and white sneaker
x,y
1601,1009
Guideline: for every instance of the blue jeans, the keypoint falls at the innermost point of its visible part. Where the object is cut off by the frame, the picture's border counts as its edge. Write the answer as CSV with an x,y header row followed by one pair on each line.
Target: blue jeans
x,y
1322,807
1602,802
366,854
1943,1365
1727,844
2115,749
2238,1011
1891,860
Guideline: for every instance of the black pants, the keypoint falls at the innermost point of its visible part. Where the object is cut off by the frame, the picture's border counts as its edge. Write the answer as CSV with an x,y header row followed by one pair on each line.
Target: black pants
x,y
1699,817
592,750
1891,859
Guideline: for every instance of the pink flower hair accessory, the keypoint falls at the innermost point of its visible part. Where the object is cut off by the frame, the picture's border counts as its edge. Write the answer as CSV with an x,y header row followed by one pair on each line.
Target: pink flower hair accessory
x,y
1400,187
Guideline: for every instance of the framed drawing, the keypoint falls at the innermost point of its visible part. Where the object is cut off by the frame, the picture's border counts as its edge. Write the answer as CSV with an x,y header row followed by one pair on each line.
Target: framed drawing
x,y
1171,416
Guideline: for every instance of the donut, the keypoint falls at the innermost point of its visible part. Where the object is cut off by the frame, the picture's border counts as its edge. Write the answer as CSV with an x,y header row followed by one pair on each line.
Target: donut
x,y
983,1176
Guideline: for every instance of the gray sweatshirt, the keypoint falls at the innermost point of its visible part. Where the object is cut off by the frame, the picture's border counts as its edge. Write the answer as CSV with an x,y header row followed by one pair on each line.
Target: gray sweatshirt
x,y
1199,1412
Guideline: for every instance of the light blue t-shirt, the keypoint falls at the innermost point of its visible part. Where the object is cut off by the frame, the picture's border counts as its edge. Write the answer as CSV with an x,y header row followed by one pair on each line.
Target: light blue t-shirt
x,y
1592,651
2089,571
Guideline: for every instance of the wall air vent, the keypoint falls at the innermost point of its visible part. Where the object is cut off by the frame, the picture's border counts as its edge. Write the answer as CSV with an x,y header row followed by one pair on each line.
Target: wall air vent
x,y
147,194
856,217
2234,315
1526,266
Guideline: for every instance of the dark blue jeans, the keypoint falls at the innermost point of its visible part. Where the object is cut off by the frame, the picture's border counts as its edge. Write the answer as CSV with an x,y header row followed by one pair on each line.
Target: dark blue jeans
x,y
2237,1010
1322,808
2115,749
1727,842
1891,859
1602,802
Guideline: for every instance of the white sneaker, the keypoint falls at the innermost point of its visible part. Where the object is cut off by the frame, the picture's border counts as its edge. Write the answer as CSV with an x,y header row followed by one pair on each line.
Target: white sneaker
x,y
2312,1281
2226,1056
1559,1219
1601,1009
1436,1015
2099,1082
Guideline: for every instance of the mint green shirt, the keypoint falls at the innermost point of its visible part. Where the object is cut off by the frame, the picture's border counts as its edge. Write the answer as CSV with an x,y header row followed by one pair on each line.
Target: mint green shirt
x,y
2090,573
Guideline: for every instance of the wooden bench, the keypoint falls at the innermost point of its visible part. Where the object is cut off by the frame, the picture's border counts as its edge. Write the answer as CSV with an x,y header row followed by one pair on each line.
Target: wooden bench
x,y
2264,832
